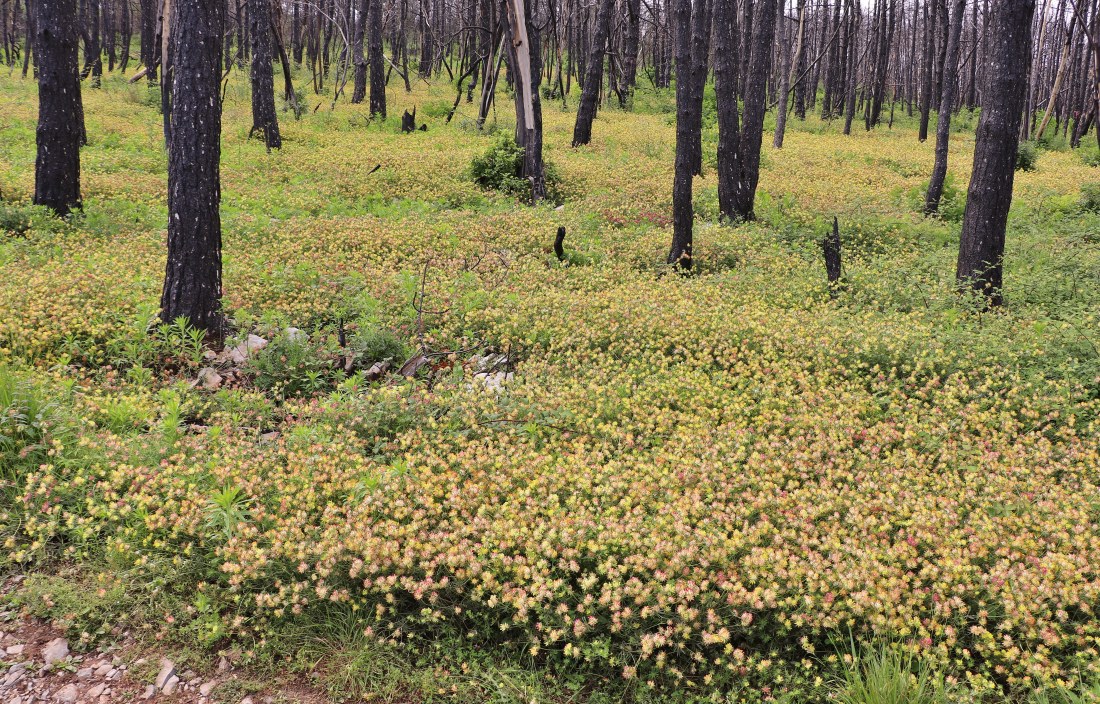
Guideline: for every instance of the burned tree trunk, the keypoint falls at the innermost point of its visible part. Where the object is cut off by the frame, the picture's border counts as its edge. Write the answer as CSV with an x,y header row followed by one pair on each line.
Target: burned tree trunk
x,y
947,105
149,47
631,36
93,49
743,173
192,278
359,31
680,252
593,78
831,249
526,63
264,119
377,61
989,197
60,132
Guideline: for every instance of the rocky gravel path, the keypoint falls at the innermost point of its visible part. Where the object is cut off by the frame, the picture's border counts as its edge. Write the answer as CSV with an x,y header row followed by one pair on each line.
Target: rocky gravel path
x,y
37,665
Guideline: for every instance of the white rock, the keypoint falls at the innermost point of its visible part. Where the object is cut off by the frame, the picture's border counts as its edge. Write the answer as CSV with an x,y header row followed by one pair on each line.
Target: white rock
x,y
170,686
55,651
67,694
296,335
206,688
246,700
167,672
150,690
15,649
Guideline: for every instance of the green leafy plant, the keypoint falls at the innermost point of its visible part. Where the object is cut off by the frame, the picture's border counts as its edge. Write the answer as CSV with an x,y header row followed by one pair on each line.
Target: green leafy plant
x,y
1027,156
1090,197
227,509
293,365
500,168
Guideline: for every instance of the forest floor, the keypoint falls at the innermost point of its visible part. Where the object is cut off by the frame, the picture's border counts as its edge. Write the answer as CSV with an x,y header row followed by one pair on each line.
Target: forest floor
x,y
601,482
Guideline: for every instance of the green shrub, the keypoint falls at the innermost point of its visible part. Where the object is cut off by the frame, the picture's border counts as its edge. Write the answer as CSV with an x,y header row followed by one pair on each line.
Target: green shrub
x,y
1090,156
1027,156
1090,197
501,168
369,345
952,200
29,422
15,220
293,365
887,676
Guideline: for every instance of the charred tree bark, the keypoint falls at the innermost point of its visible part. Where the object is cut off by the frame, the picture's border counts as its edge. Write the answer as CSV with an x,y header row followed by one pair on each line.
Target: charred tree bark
x,y
264,118
947,106
192,278
742,173
981,248
60,132
593,78
631,35
359,31
93,49
680,252
377,61
929,70
526,61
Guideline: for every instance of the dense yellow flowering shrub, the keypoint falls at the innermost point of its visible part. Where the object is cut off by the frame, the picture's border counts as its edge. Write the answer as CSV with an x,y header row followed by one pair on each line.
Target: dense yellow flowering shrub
x,y
705,485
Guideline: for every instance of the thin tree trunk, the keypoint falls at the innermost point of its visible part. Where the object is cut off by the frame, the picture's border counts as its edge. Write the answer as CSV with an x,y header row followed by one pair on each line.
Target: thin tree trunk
x,y
680,252
264,119
947,106
377,61
593,79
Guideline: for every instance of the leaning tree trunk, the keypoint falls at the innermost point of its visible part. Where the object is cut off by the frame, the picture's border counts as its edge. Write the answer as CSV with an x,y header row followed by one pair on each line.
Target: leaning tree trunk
x,y
947,105
60,132
264,119
593,78
746,163
192,277
680,252
989,197
377,61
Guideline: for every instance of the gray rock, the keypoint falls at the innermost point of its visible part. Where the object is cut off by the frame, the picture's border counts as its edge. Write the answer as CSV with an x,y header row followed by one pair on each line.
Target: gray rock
x,y
103,670
95,691
15,649
296,335
206,688
246,700
208,379
67,694
55,651
167,672
150,690
171,685
84,673
251,344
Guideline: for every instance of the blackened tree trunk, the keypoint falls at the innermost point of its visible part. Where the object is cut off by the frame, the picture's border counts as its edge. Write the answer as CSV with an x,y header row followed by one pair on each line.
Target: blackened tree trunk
x,y
700,54
929,69
743,172
726,84
680,252
989,197
784,81
296,33
377,61
192,278
127,27
947,105
93,49
264,119
60,125
593,78
631,35
359,31
853,66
